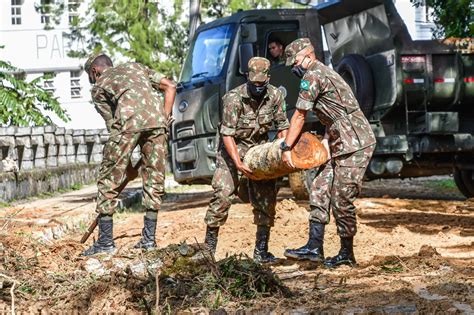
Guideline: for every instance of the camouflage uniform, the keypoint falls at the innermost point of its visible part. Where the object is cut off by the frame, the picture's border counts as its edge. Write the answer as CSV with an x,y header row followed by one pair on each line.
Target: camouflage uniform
x,y
134,113
278,61
248,122
351,142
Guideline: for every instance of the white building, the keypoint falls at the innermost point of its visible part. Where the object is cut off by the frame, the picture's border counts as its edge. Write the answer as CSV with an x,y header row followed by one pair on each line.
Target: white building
x,y
29,46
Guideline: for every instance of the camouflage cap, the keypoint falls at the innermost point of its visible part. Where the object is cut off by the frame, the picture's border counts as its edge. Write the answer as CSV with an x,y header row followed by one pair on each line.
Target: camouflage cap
x,y
90,60
294,48
258,69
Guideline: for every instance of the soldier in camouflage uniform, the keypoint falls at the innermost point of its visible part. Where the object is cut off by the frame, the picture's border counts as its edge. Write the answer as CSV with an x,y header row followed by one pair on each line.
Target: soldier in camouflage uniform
x,y
249,111
350,142
276,50
129,99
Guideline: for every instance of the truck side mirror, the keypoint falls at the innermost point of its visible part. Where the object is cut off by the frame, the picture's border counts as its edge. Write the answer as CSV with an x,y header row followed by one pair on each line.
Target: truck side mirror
x,y
245,53
248,32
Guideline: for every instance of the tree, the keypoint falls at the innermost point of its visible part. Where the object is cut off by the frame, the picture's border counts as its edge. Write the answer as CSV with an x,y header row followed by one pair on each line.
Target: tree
x,y
24,103
453,18
218,9
139,30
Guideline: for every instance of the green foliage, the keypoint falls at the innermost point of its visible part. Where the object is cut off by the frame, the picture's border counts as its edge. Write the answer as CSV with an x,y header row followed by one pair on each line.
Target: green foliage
x,y
139,30
24,103
453,18
218,9
390,266
444,184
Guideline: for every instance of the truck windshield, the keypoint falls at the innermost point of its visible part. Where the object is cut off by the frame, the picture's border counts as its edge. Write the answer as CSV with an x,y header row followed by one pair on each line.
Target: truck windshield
x,y
208,52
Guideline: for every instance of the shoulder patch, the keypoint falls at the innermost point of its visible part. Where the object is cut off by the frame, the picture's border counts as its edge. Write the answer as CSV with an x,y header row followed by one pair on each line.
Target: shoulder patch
x,y
304,85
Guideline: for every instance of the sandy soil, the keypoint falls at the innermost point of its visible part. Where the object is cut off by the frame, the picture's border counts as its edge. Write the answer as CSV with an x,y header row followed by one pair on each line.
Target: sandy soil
x,y
415,255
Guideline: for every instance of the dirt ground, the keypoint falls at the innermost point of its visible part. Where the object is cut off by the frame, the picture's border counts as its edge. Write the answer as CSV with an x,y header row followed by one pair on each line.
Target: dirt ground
x,y
414,247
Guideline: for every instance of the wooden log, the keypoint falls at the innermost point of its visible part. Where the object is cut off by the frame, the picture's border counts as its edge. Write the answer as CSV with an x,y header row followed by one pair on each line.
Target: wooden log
x,y
265,160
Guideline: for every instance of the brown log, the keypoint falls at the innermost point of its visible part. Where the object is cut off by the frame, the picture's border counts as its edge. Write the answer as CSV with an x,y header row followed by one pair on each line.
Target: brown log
x,y
265,160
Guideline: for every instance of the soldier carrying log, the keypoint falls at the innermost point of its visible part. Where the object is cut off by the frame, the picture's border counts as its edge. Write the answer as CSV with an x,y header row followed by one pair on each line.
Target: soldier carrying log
x,y
248,113
351,144
127,97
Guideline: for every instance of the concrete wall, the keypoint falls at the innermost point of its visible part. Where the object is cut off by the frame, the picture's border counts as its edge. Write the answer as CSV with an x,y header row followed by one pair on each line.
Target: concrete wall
x,y
50,147
35,160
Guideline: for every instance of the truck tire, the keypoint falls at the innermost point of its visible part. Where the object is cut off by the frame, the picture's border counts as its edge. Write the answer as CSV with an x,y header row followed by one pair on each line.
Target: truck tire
x,y
357,73
464,180
300,183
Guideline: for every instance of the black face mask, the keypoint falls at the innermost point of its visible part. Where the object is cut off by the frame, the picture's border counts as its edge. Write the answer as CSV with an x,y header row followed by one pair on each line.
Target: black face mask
x,y
257,91
299,71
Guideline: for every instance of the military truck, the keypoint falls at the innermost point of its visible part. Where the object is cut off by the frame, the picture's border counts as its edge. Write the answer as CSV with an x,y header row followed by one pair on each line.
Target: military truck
x,y
417,95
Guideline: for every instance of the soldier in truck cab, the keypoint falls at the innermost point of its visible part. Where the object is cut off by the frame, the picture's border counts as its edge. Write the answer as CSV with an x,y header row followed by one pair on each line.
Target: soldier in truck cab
x,y
350,142
249,111
276,50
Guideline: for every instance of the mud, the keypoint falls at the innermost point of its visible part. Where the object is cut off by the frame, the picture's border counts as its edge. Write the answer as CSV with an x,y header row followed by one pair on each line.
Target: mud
x,y
415,255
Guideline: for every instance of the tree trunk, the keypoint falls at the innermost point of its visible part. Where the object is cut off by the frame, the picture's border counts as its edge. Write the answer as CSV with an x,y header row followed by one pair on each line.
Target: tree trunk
x,y
265,159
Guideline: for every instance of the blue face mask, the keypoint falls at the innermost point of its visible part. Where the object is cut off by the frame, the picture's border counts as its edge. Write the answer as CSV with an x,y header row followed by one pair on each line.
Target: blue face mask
x,y
257,91
299,71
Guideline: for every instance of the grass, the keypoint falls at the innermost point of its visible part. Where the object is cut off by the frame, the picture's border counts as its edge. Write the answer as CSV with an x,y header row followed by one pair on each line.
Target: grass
x,y
4,204
392,267
443,184
188,188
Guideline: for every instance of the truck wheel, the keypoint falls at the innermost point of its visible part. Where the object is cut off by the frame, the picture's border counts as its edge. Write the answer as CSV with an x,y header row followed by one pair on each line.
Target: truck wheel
x,y
357,73
300,183
464,179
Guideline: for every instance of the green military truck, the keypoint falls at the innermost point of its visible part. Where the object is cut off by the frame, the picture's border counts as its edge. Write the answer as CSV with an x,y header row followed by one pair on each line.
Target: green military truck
x,y
417,95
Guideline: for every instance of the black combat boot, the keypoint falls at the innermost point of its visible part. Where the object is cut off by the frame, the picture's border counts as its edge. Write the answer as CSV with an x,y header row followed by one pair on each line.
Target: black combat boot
x,y
211,238
105,243
261,254
148,234
313,250
345,256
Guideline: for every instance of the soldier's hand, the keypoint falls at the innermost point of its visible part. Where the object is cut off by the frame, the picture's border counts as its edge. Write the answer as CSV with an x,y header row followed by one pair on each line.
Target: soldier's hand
x,y
246,170
286,158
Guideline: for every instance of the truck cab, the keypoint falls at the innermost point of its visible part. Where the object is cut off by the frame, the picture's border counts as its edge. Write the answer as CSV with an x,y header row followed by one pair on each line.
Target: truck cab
x,y
417,95
216,63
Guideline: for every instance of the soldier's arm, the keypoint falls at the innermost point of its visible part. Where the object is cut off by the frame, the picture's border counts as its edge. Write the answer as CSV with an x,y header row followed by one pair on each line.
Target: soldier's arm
x,y
169,89
281,120
230,117
165,85
306,98
309,90
103,106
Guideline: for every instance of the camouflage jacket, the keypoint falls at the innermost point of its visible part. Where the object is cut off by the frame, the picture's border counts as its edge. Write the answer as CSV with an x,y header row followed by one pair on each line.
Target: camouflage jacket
x,y
323,90
278,61
125,97
247,121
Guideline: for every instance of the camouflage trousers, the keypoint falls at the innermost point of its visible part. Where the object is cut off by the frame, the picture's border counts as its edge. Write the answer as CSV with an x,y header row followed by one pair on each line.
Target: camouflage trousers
x,y
336,186
116,156
262,194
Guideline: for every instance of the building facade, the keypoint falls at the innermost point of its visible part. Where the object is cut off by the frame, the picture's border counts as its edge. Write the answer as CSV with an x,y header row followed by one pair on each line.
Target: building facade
x,y
34,40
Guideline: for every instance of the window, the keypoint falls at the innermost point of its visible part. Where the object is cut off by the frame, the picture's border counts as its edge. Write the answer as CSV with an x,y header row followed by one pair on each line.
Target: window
x,y
207,56
16,12
48,82
73,10
76,84
46,7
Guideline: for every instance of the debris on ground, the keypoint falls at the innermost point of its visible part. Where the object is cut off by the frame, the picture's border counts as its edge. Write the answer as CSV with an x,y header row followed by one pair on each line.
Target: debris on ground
x,y
54,278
